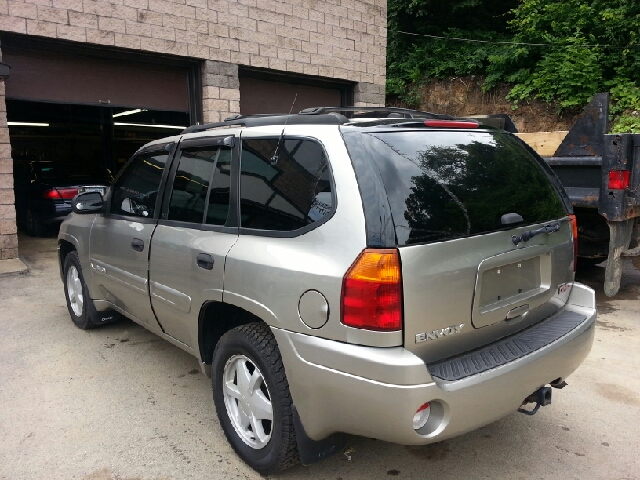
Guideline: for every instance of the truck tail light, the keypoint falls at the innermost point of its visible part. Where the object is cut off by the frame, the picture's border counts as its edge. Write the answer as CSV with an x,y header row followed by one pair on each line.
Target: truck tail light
x,y
619,179
372,291
574,234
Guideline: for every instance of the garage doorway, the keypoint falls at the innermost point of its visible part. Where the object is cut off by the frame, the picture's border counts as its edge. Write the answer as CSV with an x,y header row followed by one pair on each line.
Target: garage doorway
x,y
78,112
263,91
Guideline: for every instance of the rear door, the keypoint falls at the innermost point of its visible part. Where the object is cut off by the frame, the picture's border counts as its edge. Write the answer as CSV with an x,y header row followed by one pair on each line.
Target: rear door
x,y
120,239
465,282
193,237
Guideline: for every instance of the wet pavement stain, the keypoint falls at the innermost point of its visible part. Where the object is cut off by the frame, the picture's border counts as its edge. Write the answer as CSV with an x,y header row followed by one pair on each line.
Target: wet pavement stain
x,y
618,393
435,451
609,326
604,308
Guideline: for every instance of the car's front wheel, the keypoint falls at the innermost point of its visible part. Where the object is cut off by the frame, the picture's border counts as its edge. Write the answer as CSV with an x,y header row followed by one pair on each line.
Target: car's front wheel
x,y
252,398
76,293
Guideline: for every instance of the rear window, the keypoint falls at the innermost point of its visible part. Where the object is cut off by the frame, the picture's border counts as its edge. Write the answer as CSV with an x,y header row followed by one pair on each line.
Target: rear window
x,y
51,171
451,184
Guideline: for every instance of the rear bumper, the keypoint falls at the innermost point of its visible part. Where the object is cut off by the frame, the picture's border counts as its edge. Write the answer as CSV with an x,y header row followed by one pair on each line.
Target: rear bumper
x,y
375,392
49,212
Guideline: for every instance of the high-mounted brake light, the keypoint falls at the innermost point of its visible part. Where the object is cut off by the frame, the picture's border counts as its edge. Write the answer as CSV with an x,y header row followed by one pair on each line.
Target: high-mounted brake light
x,y
372,291
60,193
619,179
574,234
451,124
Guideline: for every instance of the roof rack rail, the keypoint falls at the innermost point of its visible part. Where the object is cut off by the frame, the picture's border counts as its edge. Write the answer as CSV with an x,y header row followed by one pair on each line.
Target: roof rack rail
x,y
270,119
405,112
314,115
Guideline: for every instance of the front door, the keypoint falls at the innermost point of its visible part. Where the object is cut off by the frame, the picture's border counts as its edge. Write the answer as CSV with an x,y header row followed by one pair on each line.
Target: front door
x,y
193,237
120,239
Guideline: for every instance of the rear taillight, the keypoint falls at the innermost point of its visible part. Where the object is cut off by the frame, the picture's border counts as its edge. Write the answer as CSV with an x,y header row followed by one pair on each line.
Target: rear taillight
x,y
619,179
51,194
372,291
451,124
60,193
574,234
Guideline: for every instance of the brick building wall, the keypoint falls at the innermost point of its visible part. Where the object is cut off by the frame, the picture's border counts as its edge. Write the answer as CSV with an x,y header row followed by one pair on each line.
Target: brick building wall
x,y
336,39
8,230
344,39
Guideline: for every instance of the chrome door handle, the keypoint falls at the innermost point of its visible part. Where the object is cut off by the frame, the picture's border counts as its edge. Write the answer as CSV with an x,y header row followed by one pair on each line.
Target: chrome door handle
x,y
205,261
137,244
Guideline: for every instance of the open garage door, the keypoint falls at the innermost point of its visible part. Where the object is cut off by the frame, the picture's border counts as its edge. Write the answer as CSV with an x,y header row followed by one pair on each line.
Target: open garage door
x,y
76,116
61,78
265,92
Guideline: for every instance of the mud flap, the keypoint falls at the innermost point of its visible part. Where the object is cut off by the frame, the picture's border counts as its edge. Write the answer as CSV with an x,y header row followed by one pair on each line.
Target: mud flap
x,y
312,451
620,237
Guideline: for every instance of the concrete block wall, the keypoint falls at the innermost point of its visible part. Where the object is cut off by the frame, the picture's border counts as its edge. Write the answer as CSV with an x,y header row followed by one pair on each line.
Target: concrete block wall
x,y
8,230
220,91
343,39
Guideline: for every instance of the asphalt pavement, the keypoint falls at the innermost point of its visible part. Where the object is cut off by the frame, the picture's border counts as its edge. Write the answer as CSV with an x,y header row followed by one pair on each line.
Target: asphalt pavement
x,y
119,403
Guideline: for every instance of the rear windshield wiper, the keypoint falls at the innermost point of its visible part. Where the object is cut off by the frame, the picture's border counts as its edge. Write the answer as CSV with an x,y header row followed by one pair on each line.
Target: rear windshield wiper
x,y
529,234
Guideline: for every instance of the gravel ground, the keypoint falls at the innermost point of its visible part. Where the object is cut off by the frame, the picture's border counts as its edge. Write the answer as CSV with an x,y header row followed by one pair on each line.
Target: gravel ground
x,y
118,403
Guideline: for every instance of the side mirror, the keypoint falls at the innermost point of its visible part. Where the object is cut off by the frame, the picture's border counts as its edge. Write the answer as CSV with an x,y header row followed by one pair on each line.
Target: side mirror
x,y
90,202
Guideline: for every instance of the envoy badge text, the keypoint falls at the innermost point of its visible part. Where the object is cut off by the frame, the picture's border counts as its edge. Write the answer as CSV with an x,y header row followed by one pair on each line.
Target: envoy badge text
x,y
435,334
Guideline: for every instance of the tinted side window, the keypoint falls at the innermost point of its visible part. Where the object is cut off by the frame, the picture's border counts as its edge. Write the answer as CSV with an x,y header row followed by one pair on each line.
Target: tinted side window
x,y
136,191
286,190
191,183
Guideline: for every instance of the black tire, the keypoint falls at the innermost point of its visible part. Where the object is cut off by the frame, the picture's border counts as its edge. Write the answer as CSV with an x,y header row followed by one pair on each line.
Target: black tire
x,y
87,316
585,263
34,226
256,342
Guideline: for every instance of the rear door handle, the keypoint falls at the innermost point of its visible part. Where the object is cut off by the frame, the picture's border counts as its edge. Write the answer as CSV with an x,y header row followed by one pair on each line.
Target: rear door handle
x,y
205,261
137,244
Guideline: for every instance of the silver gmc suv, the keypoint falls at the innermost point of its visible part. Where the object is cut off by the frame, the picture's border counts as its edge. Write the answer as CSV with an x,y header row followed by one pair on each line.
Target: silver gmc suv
x,y
380,272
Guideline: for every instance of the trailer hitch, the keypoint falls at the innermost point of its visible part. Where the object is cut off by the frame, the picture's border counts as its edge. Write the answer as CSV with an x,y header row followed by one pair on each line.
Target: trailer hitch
x,y
541,397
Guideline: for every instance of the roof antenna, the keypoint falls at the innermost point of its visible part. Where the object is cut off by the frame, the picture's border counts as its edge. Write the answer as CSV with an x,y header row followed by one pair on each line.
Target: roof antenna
x,y
274,158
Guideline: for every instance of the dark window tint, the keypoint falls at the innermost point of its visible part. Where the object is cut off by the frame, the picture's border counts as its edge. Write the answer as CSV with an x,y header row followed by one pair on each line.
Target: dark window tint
x,y
191,183
71,173
450,184
218,209
283,188
136,191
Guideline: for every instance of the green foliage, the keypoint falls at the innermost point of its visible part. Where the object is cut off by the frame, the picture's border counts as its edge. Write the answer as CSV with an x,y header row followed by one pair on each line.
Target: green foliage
x,y
589,45
564,51
625,107
626,124
413,59
568,77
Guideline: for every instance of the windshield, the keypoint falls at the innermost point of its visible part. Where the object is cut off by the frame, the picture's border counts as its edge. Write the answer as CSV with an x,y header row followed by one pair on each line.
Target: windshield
x,y
442,185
